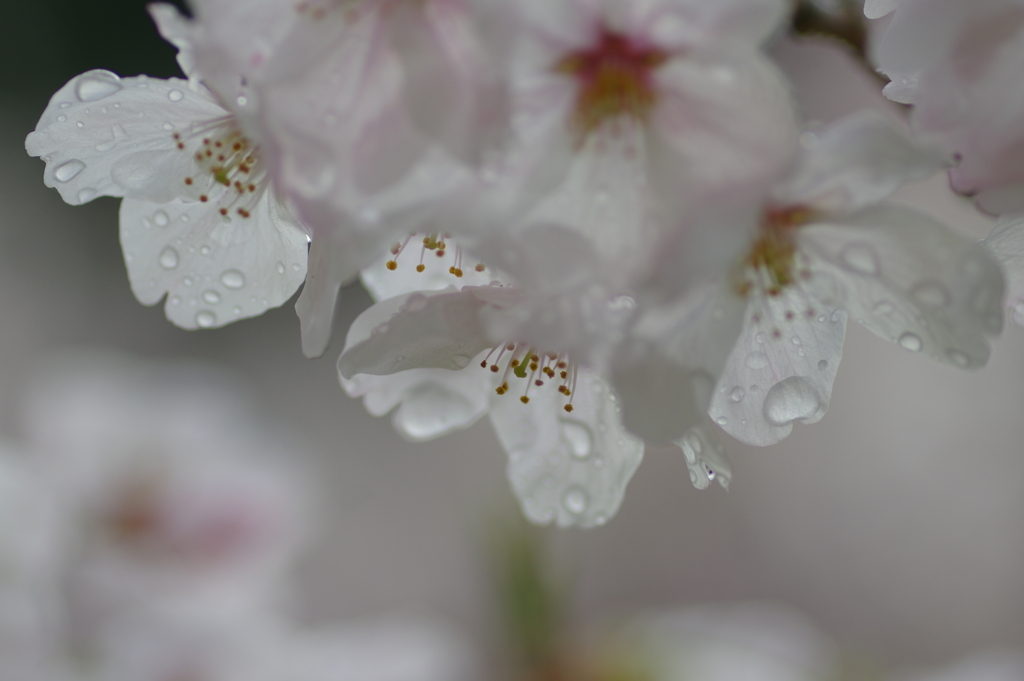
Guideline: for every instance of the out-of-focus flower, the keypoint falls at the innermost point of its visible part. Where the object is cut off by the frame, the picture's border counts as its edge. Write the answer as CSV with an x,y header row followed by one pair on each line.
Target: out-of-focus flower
x,y
173,494
985,666
201,221
1006,243
743,642
826,250
961,66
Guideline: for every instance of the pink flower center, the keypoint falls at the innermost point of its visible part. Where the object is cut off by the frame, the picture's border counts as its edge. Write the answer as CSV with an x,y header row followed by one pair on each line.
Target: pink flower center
x,y
614,78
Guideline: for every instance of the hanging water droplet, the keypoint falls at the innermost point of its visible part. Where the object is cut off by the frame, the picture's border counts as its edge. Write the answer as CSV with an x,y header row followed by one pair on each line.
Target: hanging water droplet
x,y
168,258
205,319
757,360
86,194
578,437
958,358
69,170
161,219
862,258
211,296
910,341
96,85
575,499
233,279
737,394
822,365
930,295
789,400
280,267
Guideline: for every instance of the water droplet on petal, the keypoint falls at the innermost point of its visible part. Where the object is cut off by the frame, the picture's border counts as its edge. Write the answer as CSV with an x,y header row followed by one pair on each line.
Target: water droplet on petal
x,y
721,420
860,258
96,85
883,307
62,118
67,171
930,295
822,365
168,258
211,296
86,194
958,358
910,341
461,361
175,300
575,499
205,250
236,310
161,219
578,438
789,400
737,394
205,319
232,279
415,303
175,95
757,360
280,268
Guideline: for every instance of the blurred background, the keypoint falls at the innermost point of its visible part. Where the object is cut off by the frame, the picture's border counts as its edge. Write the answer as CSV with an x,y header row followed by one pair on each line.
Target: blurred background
x,y
894,525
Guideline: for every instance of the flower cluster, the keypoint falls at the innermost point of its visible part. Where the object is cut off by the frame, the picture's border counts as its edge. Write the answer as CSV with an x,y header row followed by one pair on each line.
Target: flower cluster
x,y
598,222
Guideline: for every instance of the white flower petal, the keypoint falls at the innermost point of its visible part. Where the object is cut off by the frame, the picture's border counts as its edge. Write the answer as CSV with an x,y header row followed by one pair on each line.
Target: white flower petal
x,y
430,402
105,136
215,269
666,369
856,162
570,469
875,9
1006,243
439,330
705,457
383,283
911,280
782,367
177,30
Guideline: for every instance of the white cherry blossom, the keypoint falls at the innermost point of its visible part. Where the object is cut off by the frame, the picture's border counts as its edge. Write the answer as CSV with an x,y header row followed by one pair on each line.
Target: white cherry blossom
x,y
372,111
960,65
569,454
828,249
200,220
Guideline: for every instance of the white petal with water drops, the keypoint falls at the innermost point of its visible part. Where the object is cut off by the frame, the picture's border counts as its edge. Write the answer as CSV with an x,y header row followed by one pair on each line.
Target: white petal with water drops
x,y
1006,243
911,280
704,456
567,468
772,381
197,256
103,135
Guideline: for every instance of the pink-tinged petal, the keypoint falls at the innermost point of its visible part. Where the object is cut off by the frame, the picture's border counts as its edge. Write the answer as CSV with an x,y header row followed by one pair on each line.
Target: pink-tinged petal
x,y
214,269
856,162
437,330
102,135
427,403
782,366
668,365
567,468
451,91
911,280
705,457
1006,243
706,114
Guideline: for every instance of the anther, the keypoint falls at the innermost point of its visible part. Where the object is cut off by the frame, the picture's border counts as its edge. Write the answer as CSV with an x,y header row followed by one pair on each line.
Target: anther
x,y
420,267
568,407
524,399
391,265
188,180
